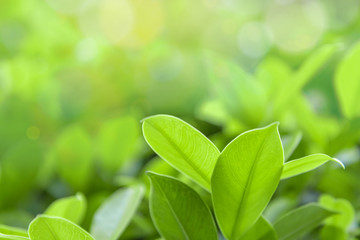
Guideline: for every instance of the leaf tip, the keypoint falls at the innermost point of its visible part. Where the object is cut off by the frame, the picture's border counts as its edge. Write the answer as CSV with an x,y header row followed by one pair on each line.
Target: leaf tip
x,y
339,162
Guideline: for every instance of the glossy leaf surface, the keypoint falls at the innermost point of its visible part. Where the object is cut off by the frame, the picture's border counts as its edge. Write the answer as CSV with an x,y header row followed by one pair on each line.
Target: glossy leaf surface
x,y
182,146
178,212
245,177
262,230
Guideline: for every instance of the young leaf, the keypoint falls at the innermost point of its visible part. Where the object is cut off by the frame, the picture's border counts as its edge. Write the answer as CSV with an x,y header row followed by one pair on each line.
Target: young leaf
x,y
301,221
114,215
245,177
262,230
55,228
182,146
347,83
290,143
72,208
178,212
306,164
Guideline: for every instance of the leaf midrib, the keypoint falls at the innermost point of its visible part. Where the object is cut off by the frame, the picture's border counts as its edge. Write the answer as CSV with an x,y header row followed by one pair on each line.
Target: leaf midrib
x,y
247,186
183,155
172,211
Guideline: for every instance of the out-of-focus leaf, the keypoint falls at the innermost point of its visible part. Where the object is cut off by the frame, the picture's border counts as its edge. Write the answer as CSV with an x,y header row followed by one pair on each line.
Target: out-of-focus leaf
x,y
71,208
19,167
7,230
278,207
11,237
306,164
333,233
290,143
301,221
347,83
55,228
117,142
245,178
182,146
178,212
262,230
114,215
74,153
240,93
346,212
308,69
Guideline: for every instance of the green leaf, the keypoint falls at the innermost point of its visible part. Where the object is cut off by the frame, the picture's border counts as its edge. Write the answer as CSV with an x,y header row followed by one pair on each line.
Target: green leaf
x,y
346,211
333,233
301,221
72,208
7,230
114,215
182,146
245,178
347,83
290,143
117,142
262,230
56,228
73,153
307,70
306,164
11,237
178,212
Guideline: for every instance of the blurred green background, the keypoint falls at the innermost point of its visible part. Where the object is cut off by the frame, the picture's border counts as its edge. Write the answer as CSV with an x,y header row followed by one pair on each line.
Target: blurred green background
x,y
77,76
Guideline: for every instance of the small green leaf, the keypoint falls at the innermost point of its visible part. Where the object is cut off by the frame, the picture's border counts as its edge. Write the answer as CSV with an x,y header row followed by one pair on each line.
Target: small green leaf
x,y
262,230
346,211
114,215
182,146
290,143
347,83
71,208
245,178
306,164
56,228
333,233
301,221
178,212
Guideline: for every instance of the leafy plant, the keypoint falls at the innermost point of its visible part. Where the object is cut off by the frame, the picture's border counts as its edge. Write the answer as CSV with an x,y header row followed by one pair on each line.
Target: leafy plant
x,y
243,180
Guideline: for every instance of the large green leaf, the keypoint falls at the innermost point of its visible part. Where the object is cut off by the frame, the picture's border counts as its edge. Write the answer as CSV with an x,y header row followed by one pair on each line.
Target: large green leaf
x,y
178,212
73,154
262,230
117,142
347,82
72,208
114,215
301,221
56,228
182,146
306,164
245,177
